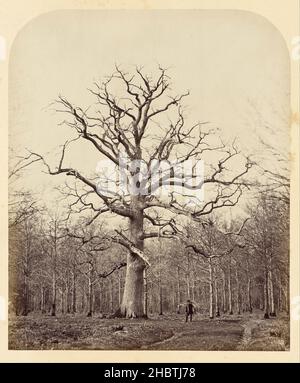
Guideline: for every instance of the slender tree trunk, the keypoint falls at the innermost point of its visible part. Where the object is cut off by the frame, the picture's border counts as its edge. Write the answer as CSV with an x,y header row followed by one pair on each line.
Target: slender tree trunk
x,y
62,301
26,269
262,297
90,291
119,289
173,293
150,297
83,299
288,296
160,292
53,304
266,296
68,293
132,302
271,289
217,296
42,299
279,294
249,296
105,296
188,286
224,301
229,291
74,303
238,303
101,296
26,296
160,297
145,293
211,290
54,276
193,288
178,290
111,295
34,301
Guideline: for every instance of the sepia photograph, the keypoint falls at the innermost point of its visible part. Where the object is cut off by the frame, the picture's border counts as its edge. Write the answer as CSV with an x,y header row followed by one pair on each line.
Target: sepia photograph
x,y
149,182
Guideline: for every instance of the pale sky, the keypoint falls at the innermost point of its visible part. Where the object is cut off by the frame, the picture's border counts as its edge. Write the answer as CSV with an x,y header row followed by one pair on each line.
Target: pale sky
x,y
234,63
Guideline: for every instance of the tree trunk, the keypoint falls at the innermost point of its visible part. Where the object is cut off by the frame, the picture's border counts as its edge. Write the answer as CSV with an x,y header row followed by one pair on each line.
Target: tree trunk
x,y
68,293
224,302
188,286
54,276
119,289
238,303
74,292
193,288
271,295
211,290
160,292
200,293
145,293
217,296
26,296
83,299
287,301
132,302
266,296
160,295
34,301
229,291
178,290
173,294
279,295
26,269
101,296
62,301
111,295
150,297
249,296
53,304
42,307
90,292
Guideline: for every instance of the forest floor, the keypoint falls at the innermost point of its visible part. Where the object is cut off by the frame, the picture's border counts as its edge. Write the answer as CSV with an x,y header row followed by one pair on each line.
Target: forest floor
x,y
166,332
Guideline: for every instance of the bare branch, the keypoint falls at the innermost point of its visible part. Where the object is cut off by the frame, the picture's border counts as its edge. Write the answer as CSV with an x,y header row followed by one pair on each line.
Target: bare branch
x,y
124,241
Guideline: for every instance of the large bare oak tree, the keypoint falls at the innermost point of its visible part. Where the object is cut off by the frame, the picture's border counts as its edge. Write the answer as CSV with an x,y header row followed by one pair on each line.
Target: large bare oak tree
x,y
136,115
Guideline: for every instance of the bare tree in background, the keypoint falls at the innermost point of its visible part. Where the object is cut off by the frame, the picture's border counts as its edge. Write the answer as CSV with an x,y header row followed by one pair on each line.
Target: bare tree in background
x,y
210,242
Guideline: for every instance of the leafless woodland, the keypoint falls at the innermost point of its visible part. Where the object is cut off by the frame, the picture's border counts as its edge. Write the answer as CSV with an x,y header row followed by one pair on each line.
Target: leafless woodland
x,y
117,259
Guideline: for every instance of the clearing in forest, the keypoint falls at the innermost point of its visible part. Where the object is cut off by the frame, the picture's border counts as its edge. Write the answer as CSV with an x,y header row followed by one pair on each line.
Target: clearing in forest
x,y
168,332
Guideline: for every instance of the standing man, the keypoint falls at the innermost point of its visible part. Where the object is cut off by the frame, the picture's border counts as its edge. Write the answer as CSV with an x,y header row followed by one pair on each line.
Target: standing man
x,y
189,311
